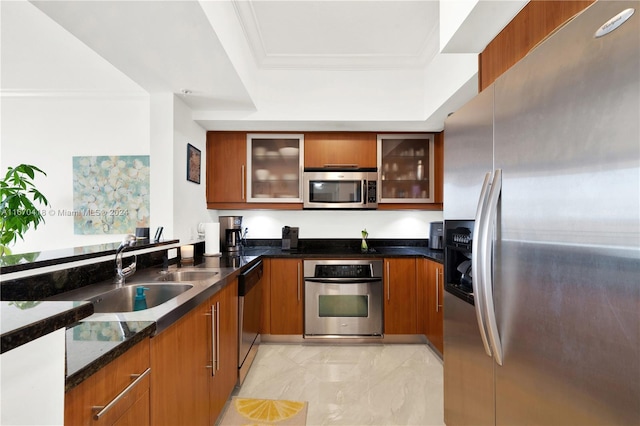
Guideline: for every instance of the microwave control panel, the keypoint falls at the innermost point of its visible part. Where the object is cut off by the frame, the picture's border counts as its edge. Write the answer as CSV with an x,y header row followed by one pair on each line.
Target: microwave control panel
x,y
372,191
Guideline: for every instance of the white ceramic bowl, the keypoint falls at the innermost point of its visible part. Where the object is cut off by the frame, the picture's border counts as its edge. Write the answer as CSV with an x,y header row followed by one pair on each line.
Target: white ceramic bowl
x,y
290,176
289,151
259,151
262,174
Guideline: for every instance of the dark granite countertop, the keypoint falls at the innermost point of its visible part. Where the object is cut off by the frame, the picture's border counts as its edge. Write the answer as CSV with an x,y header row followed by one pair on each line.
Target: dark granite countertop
x,y
23,322
435,255
94,342
86,357
92,345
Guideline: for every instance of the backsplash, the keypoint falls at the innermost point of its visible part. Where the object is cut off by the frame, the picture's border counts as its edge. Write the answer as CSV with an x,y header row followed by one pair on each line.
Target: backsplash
x,y
38,287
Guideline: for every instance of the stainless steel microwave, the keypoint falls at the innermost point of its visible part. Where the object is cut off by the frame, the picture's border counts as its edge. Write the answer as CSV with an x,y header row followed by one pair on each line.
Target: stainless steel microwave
x,y
328,188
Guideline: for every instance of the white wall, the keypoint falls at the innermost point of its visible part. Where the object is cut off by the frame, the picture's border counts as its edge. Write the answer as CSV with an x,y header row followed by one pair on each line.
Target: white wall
x,y
83,105
189,198
48,131
407,224
60,99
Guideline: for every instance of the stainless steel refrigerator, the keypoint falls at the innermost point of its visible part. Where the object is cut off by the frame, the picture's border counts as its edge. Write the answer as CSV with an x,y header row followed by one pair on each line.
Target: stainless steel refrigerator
x,y
542,234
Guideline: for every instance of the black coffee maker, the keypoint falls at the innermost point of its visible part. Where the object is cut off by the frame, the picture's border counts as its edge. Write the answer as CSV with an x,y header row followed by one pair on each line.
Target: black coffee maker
x,y
436,235
289,238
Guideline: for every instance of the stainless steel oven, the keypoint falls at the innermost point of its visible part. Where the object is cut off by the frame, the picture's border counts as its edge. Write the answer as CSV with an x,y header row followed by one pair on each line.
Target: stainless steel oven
x,y
343,298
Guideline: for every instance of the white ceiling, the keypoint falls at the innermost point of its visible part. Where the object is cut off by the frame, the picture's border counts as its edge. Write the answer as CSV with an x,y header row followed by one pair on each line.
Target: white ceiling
x,y
259,64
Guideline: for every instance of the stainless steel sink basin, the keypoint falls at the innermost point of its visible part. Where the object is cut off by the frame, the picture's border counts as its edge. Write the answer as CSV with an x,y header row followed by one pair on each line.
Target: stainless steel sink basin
x,y
122,299
180,276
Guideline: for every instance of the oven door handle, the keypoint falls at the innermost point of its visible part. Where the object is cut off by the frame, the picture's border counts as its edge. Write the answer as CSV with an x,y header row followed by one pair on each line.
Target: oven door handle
x,y
343,280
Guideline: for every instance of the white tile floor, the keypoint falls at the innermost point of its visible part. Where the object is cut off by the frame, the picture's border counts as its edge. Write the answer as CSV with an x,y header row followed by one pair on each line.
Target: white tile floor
x,y
391,384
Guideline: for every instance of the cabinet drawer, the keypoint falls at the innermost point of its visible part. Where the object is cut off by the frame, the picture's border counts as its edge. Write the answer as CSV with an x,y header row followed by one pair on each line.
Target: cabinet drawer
x,y
113,384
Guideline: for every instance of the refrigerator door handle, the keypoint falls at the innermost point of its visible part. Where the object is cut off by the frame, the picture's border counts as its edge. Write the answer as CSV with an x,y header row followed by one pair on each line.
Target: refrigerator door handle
x,y
476,263
488,229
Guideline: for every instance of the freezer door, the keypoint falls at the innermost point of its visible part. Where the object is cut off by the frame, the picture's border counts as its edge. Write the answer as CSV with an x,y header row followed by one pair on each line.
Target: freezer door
x,y
468,371
567,245
468,155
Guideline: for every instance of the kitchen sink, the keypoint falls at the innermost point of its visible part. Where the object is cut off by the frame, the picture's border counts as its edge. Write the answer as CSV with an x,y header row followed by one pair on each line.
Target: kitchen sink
x,y
180,276
122,299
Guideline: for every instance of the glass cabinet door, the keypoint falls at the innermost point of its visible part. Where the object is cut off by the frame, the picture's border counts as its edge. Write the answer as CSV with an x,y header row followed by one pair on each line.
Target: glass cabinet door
x,y
405,168
275,163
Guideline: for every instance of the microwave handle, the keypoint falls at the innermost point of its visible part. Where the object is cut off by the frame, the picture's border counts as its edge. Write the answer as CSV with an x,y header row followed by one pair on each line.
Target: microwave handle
x,y
365,192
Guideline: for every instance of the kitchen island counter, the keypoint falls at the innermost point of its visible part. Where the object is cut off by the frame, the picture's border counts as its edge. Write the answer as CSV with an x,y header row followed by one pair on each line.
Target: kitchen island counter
x,y
99,338
87,354
23,322
92,345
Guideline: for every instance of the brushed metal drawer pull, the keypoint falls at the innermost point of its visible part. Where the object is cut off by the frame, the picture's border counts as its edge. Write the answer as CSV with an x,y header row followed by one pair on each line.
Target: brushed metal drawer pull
x,y
102,410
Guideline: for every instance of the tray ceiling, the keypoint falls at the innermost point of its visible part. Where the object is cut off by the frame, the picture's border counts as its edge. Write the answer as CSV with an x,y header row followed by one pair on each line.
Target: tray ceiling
x,y
257,64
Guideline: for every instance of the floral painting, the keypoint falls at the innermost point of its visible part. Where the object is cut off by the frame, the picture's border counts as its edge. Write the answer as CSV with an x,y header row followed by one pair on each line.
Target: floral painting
x,y
110,194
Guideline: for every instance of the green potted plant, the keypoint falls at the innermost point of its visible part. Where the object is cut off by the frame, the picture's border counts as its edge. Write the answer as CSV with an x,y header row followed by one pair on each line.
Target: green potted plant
x,y
18,194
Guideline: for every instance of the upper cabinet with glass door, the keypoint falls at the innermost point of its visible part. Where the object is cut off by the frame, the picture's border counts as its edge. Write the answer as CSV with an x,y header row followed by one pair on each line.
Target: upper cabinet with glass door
x,y
275,163
406,168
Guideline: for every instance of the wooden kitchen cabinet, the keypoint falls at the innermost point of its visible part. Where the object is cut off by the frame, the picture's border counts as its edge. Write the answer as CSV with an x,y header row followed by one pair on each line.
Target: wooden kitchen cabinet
x,y
406,165
286,296
226,170
530,26
274,167
397,188
225,374
196,362
430,279
340,149
132,408
435,299
232,182
400,293
180,355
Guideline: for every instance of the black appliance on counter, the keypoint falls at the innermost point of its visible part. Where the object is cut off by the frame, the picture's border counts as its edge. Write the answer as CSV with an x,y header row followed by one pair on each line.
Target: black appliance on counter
x,y
289,238
436,235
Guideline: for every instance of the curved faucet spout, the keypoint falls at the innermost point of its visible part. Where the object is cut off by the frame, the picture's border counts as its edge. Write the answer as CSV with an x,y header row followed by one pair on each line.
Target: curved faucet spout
x,y
121,274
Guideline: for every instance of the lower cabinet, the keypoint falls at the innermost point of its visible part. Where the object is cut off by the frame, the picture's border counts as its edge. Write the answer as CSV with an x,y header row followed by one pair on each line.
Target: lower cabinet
x,y
400,308
131,405
430,301
225,347
412,297
286,298
195,362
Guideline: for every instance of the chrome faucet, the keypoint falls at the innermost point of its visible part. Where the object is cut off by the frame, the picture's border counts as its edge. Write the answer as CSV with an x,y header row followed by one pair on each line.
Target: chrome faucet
x,y
121,273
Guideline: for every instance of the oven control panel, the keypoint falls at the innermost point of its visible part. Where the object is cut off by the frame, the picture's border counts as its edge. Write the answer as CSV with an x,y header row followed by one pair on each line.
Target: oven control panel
x,y
343,268
343,271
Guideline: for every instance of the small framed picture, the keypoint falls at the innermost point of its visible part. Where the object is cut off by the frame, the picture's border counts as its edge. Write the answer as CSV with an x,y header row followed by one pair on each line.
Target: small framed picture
x,y
194,159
